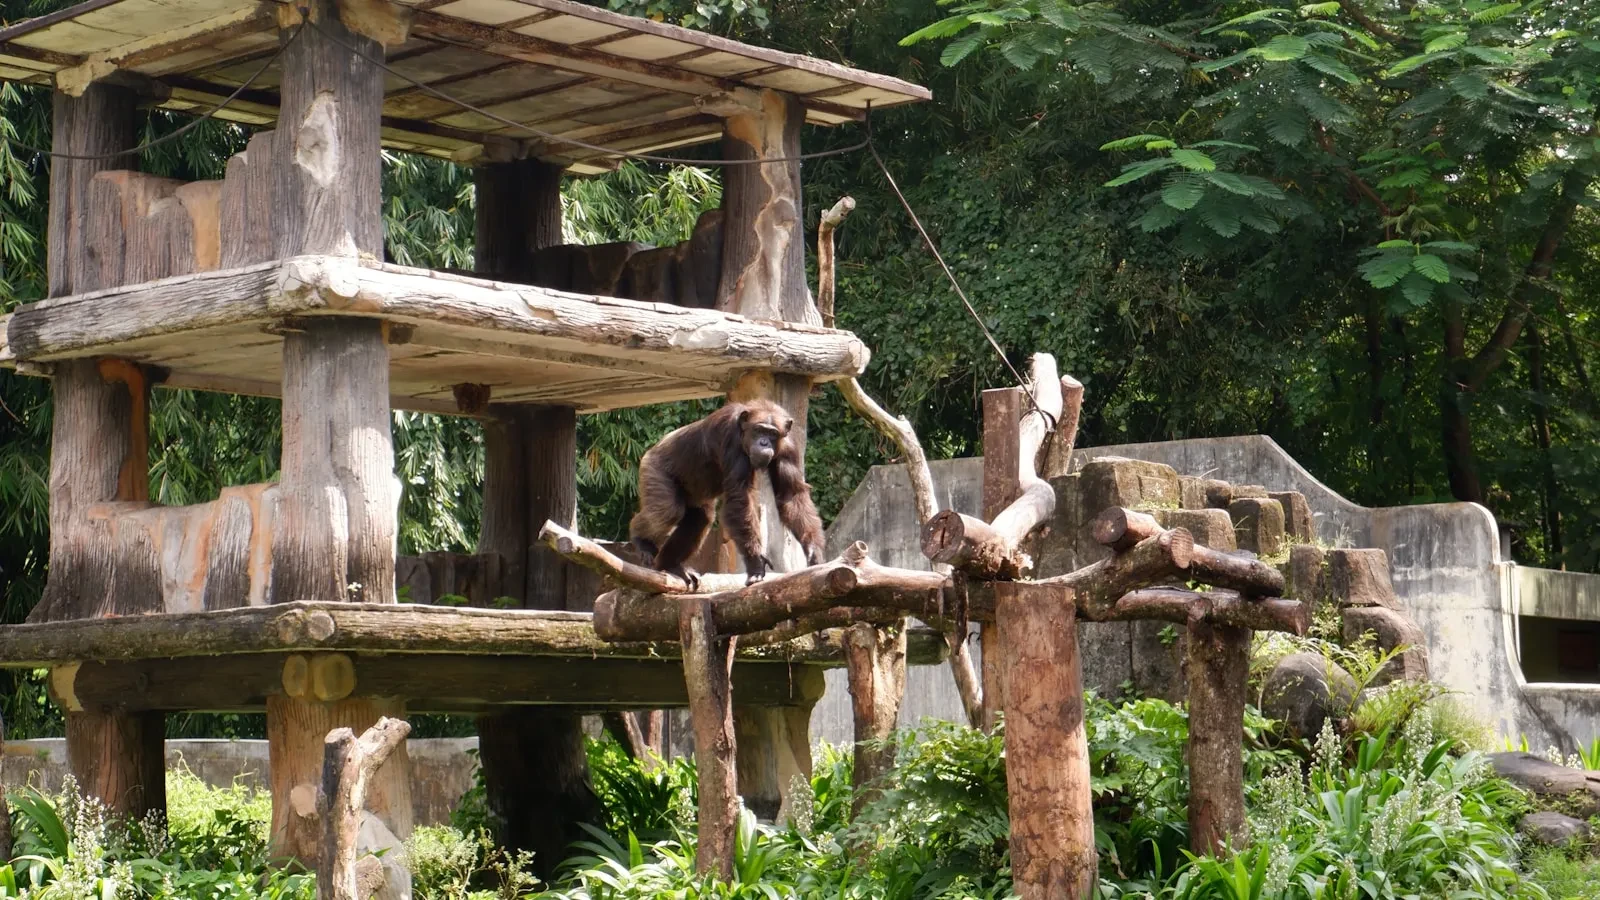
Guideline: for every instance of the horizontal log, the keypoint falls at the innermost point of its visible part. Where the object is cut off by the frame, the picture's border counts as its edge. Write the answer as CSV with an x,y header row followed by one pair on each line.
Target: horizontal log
x,y
1245,574
1150,562
1216,607
596,558
852,580
92,324
368,627
1120,529
439,683
970,544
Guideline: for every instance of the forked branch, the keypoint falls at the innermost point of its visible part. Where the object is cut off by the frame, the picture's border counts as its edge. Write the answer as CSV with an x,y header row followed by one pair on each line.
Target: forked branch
x,y
348,765
992,550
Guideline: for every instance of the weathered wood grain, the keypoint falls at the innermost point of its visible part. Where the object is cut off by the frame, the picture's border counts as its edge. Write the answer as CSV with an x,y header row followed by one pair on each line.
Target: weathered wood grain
x,y
428,683
1047,748
519,318
337,504
328,165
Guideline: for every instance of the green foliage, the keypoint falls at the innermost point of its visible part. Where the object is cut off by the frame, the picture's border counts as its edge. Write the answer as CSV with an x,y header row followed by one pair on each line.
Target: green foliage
x,y
214,846
1404,819
651,801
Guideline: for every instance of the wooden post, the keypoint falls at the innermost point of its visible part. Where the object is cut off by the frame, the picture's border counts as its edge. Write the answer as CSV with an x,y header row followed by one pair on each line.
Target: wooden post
x,y
1047,750
515,216
875,663
707,669
534,766
1002,409
96,449
763,276
1218,664
349,765
329,170
336,523
763,240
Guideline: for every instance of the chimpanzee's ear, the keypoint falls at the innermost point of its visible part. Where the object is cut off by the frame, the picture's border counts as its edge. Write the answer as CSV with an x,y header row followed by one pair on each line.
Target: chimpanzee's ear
x,y
744,414
788,423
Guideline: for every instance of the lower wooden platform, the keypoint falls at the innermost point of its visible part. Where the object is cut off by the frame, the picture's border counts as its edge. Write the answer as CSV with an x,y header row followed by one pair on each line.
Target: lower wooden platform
x,y
435,658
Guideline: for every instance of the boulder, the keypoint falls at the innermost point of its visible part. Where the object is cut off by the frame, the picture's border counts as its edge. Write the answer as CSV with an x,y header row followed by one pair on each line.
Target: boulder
x,y
1577,790
1360,578
1258,524
1305,579
1296,514
1552,828
1303,690
1191,492
1391,629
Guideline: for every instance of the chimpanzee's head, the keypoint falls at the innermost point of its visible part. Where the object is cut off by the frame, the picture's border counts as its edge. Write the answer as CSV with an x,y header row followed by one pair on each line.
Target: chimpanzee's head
x,y
762,429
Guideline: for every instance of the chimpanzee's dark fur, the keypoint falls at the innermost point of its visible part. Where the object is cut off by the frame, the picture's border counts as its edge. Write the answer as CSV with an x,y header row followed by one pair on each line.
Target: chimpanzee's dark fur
x,y
682,476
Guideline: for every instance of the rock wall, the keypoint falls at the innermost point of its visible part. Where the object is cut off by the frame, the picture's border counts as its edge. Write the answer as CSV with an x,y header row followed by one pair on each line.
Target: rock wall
x,y
1445,561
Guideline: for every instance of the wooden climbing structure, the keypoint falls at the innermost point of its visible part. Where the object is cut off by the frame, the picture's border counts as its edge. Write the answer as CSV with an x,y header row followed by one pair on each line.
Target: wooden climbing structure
x,y
271,281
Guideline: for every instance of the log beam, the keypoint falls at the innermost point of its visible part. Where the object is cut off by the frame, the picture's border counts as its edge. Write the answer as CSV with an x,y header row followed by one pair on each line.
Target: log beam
x,y
850,580
1047,748
707,660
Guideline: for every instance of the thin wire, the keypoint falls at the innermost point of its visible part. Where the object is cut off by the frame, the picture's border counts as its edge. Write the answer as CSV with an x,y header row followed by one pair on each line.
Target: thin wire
x,y
1050,421
574,142
166,138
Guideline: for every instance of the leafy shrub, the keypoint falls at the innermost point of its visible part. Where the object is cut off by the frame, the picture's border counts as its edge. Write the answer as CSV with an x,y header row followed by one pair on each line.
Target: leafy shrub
x,y
653,801
1404,819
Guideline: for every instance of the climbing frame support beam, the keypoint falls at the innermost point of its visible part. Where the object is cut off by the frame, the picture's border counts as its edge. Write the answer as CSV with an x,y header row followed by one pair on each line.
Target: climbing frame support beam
x,y
1047,748
98,455
329,165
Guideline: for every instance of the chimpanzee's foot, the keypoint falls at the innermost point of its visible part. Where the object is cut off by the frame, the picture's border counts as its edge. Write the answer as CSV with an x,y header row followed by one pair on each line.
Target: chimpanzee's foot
x,y
689,576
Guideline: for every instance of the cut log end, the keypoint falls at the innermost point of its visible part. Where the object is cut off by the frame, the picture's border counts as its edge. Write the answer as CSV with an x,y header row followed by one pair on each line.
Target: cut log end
x,y
1120,529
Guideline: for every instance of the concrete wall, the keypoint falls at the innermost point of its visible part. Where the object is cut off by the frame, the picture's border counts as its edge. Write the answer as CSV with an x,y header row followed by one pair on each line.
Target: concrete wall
x,y
1446,561
442,769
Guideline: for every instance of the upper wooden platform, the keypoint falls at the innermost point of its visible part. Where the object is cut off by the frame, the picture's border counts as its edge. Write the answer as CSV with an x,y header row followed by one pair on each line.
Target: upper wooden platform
x,y
565,68
222,330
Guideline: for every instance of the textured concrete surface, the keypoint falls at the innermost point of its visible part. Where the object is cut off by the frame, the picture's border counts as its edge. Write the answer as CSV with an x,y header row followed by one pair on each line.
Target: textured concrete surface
x,y
1446,562
442,769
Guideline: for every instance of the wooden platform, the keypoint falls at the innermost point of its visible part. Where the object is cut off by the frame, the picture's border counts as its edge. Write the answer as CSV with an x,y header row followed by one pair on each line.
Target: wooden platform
x,y
440,659
565,68
222,330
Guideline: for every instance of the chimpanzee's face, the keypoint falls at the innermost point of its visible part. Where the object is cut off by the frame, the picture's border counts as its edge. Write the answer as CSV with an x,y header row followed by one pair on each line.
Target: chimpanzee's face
x,y
761,442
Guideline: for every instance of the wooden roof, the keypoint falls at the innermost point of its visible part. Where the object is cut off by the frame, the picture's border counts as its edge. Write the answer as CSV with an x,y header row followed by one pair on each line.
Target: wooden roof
x,y
562,67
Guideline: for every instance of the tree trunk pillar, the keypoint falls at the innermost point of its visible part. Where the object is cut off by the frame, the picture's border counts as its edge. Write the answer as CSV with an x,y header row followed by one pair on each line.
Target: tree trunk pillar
x,y
875,664
98,453
775,749
1047,749
535,771
763,276
1218,663
337,519
1002,411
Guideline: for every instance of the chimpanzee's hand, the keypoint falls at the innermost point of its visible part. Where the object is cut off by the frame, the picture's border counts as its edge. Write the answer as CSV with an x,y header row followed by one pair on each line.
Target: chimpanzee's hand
x,y
813,556
757,569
